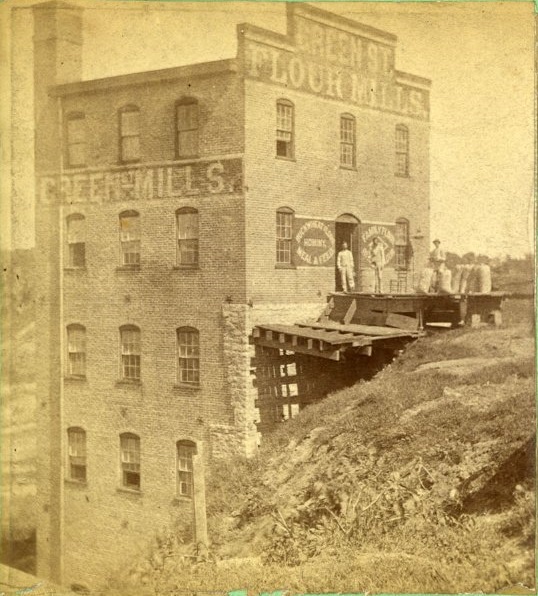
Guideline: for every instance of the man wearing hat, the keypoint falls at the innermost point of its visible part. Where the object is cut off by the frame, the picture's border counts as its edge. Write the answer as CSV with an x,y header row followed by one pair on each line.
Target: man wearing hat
x,y
437,259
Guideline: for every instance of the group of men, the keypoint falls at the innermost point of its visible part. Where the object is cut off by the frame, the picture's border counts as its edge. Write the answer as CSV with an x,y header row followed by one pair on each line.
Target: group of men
x,y
346,265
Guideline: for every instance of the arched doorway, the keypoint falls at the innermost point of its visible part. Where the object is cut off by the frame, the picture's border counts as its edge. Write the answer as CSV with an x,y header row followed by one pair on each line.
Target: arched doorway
x,y
347,229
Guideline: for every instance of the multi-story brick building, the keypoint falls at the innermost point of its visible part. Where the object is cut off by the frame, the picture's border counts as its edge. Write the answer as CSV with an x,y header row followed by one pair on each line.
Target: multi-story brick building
x,y
177,209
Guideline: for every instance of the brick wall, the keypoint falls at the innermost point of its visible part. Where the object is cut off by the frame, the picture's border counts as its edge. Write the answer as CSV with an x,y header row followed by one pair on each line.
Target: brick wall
x,y
313,183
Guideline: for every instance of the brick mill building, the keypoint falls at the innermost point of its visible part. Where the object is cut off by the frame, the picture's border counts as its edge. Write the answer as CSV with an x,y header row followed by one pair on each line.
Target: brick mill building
x,y
176,210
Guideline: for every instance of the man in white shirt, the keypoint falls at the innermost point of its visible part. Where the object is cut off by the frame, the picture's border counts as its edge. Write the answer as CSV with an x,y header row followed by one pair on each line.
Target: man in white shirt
x,y
346,267
437,259
377,258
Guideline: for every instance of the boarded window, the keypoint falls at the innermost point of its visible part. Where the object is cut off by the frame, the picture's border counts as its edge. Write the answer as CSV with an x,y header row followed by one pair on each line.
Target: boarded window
x,y
402,150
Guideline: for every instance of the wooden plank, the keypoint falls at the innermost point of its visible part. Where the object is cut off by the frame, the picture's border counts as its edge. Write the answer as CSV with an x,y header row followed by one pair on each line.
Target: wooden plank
x,y
350,312
402,322
356,329
310,351
330,336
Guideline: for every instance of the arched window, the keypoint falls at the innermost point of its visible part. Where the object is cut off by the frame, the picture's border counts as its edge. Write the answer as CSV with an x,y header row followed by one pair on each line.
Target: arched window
x,y
186,450
187,127
76,453
402,150
188,349
284,128
284,231
401,243
76,241
76,351
75,129
347,141
130,352
187,237
130,460
129,117
130,238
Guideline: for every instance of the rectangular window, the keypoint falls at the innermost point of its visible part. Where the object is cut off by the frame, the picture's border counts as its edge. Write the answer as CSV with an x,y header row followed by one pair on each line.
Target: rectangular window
x,y
130,461
401,241
284,129
130,354
76,241
402,151
187,129
130,135
76,351
187,237
185,470
76,140
284,222
189,356
130,239
76,439
347,141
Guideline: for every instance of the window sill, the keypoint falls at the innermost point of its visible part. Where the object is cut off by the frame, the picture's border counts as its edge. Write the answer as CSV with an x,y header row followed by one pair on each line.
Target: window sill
x,y
285,266
402,175
188,386
73,482
350,168
75,269
283,158
128,268
129,382
76,378
178,500
186,267
124,162
129,491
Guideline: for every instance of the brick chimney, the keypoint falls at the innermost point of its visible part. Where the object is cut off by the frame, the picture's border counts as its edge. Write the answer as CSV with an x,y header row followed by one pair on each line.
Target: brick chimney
x,y
57,59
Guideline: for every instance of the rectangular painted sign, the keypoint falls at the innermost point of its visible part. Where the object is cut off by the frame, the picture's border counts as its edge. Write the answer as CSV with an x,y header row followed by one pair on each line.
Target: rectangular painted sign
x,y
142,182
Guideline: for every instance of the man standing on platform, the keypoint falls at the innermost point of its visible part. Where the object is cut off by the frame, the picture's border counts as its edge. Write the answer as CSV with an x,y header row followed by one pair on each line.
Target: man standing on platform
x,y
346,267
377,258
437,259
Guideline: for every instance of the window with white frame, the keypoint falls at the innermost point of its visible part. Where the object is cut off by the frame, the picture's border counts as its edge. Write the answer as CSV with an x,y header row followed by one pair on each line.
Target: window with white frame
x,y
130,461
284,128
130,234
187,126
130,352
76,241
188,347
402,150
186,450
284,230
401,243
76,351
76,449
76,139
129,134
347,140
187,237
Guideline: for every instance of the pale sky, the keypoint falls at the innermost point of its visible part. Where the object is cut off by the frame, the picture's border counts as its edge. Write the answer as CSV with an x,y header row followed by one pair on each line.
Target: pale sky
x,y
479,56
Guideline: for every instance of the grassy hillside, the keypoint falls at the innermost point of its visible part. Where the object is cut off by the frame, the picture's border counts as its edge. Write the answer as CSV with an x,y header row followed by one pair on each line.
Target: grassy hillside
x,y
421,480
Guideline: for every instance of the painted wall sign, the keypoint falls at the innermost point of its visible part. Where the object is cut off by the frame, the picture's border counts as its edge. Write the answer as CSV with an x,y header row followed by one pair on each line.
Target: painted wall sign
x,y
336,64
385,234
313,242
143,182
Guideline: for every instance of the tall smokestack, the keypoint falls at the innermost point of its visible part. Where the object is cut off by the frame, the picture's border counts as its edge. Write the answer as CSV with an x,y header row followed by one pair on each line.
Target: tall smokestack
x,y
57,59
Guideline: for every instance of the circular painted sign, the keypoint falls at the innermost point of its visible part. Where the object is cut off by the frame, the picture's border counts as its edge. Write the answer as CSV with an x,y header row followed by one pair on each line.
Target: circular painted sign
x,y
315,243
386,238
